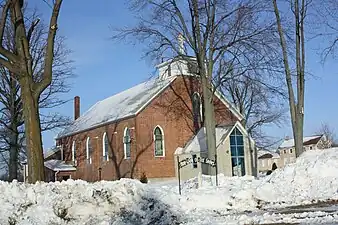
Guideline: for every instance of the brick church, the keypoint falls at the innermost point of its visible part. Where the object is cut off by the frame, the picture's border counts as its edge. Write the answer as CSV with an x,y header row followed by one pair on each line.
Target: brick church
x,y
138,130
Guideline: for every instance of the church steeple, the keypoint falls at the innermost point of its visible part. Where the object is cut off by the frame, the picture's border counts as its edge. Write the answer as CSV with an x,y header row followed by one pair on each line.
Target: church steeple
x,y
181,47
179,65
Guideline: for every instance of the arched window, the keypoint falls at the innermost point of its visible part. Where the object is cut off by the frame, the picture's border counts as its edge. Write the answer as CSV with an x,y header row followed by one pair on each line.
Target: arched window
x,y
159,142
237,153
74,151
127,143
197,110
89,150
105,145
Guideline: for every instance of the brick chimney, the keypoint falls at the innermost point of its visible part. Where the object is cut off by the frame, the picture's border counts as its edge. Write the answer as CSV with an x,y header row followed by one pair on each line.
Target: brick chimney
x,y
76,107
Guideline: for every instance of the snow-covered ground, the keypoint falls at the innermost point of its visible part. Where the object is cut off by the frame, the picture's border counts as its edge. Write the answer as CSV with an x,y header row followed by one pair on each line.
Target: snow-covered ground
x,y
237,200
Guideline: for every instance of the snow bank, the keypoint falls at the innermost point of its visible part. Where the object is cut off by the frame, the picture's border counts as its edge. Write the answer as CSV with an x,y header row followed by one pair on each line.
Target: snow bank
x,y
78,202
314,176
232,194
237,200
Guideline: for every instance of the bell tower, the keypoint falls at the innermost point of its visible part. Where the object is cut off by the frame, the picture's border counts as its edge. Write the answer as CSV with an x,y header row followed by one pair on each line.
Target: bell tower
x,y
179,65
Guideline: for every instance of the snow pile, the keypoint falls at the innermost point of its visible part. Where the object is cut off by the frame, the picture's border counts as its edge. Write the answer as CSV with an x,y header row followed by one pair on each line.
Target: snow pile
x,y
314,176
232,194
237,200
78,202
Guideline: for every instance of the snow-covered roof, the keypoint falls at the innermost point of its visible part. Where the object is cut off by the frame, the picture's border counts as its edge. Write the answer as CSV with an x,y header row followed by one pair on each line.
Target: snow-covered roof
x,y
122,105
51,152
58,165
260,153
126,104
291,143
198,142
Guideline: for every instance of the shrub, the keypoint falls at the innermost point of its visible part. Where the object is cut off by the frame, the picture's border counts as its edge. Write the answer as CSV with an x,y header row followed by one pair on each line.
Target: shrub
x,y
144,178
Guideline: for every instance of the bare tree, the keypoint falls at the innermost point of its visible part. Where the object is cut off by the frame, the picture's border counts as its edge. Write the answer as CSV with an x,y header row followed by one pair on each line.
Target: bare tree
x,y
330,135
326,20
296,102
20,65
213,30
260,104
11,123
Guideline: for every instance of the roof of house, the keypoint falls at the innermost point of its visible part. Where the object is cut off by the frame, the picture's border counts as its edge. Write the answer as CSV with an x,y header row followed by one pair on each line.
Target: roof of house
x,y
313,141
122,105
261,153
125,104
306,141
198,142
58,165
51,152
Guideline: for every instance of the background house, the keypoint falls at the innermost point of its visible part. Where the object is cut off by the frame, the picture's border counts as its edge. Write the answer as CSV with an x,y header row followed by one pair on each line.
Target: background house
x,y
266,159
138,130
287,148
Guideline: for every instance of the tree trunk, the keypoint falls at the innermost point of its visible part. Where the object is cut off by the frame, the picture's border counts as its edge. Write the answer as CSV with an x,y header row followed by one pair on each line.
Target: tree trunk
x,y
32,132
298,134
209,123
13,153
14,147
296,109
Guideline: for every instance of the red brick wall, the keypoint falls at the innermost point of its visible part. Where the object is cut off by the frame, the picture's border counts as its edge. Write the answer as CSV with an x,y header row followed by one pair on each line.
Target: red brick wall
x,y
116,164
172,111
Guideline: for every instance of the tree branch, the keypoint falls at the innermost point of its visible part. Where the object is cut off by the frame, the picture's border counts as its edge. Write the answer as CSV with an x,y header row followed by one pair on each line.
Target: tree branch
x,y
47,74
4,19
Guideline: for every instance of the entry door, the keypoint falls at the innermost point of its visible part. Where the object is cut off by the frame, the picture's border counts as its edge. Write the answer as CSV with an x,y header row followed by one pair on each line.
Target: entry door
x,y
237,153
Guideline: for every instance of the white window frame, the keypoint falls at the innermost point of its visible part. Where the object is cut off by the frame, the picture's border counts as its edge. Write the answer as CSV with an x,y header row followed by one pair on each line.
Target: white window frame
x,y
87,151
125,144
163,155
73,151
105,157
62,158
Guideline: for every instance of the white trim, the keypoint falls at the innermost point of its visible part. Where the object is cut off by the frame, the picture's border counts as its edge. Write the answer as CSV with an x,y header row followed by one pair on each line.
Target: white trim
x,y
73,151
163,155
61,152
241,128
104,147
125,144
87,151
